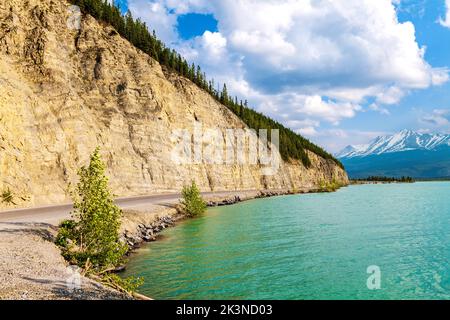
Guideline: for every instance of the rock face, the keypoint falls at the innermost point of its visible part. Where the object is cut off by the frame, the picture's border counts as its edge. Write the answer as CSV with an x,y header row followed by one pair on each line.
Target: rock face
x,y
64,91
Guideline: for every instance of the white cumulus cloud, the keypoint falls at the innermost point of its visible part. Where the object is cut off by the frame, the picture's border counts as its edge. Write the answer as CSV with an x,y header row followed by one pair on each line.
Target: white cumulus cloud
x,y
319,60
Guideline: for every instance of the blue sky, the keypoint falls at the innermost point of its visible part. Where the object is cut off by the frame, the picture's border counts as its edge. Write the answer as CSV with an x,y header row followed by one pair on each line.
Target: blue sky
x,y
192,25
339,72
122,4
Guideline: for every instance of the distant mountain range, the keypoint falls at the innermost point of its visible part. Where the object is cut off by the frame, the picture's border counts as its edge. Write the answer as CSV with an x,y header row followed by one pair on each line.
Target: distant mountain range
x,y
406,153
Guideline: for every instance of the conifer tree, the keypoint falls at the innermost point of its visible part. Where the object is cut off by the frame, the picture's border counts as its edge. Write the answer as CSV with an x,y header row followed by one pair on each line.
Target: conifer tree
x,y
224,94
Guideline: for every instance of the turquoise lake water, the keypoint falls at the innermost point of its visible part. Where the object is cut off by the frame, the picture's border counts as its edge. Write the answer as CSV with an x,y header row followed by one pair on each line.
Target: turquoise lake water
x,y
313,246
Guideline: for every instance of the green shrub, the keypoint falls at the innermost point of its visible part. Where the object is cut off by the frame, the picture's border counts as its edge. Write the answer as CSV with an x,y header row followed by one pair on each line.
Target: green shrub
x,y
67,232
192,201
98,218
330,186
130,284
91,239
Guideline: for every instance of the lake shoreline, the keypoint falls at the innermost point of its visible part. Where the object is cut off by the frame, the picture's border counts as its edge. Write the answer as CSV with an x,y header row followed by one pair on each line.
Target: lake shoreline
x,y
355,183
34,246
282,244
143,227
139,228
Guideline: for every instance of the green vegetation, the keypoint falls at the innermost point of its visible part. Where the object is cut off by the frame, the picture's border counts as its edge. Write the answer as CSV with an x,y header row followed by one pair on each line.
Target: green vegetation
x,y
91,239
7,197
388,179
292,145
433,179
130,284
192,201
330,186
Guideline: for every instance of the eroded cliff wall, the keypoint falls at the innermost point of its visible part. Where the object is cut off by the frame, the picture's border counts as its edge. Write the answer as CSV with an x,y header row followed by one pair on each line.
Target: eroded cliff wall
x,y
65,91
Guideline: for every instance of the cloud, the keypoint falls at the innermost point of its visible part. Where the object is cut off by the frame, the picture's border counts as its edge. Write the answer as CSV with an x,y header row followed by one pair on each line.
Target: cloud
x,y
337,139
307,131
320,47
377,108
317,107
391,95
446,21
211,48
305,127
438,118
293,108
315,47
158,17
295,60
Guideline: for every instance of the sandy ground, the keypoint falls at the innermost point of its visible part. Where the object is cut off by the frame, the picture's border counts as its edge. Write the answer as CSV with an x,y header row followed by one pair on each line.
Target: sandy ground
x,y
31,267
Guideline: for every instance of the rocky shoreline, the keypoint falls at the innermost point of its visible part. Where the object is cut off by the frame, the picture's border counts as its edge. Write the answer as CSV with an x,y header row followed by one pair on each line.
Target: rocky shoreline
x,y
146,227
148,233
140,232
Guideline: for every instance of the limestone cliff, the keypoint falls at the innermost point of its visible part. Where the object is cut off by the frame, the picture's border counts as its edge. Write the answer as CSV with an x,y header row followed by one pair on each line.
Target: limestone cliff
x,y
64,91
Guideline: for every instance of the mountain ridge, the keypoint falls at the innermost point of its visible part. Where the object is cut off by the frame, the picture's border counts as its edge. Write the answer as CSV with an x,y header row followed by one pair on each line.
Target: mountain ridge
x,y
404,140
405,153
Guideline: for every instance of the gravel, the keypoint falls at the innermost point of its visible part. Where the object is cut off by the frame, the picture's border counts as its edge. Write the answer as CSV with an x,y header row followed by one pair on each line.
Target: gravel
x,y
32,268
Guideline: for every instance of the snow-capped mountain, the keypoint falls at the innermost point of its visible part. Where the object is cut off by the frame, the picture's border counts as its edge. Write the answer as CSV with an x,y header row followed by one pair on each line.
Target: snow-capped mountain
x,y
405,140
406,153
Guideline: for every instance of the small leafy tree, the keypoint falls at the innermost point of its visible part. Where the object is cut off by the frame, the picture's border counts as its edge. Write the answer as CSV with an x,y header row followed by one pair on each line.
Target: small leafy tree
x,y
91,240
98,216
192,200
94,233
